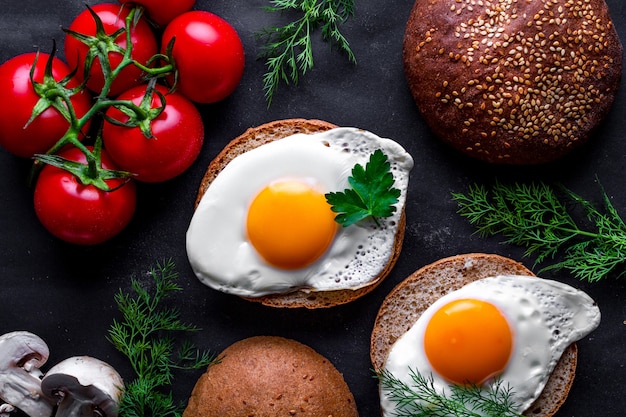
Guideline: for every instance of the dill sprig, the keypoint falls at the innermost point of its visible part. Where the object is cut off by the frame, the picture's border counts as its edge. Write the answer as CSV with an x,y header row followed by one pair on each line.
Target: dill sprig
x,y
422,399
288,49
533,216
144,336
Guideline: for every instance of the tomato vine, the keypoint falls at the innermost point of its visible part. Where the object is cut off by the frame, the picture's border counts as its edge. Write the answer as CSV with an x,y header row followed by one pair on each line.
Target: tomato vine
x,y
100,46
120,82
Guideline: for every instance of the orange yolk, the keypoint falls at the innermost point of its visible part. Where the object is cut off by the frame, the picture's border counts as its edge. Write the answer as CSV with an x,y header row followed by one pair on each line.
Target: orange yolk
x,y
468,341
290,224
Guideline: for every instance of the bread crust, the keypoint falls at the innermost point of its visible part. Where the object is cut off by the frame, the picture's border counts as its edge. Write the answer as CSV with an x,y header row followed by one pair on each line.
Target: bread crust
x,y
512,82
276,130
266,376
253,138
411,297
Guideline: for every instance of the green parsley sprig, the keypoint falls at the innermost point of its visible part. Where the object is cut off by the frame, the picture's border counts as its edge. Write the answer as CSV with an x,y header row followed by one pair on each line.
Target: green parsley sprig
x,y
421,399
372,193
534,216
288,49
144,336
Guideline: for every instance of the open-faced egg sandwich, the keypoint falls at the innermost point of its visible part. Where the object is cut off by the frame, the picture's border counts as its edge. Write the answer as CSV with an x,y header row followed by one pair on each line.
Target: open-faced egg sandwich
x,y
300,213
479,332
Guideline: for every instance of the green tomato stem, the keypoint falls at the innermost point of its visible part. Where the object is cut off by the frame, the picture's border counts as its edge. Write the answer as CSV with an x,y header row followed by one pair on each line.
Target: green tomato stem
x,y
62,99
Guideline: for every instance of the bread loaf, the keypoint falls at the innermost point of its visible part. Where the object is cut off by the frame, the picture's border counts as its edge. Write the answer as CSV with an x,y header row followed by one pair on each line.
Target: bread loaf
x,y
266,376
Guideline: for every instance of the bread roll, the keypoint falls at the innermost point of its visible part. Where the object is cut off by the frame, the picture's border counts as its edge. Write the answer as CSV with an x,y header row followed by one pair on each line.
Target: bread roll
x,y
512,82
267,376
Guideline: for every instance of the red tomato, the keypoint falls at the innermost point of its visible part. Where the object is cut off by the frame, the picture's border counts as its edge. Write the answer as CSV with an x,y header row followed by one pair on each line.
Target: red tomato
x,y
82,214
208,54
162,12
17,99
178,135
142,39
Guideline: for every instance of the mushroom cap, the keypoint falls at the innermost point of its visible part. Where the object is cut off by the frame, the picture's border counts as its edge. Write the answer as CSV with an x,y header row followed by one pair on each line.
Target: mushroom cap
x,y
24,350
21,355
82,383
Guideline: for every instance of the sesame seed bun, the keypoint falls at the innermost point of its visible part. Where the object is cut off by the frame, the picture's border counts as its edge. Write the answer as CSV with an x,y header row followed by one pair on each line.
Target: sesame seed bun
x,y
267,376
411,297
276,130
512,82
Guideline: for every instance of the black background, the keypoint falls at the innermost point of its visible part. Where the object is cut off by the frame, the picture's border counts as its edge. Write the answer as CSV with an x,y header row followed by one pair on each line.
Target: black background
x,y
65,293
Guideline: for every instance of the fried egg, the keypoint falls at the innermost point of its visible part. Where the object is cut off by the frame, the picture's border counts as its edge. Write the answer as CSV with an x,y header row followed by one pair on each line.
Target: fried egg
x,y
263,226
512,329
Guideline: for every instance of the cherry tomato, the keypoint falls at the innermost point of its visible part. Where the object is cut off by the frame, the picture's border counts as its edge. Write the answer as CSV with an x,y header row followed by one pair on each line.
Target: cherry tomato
x,y
17,99
178,136
82,214
113,16
162,12
208,54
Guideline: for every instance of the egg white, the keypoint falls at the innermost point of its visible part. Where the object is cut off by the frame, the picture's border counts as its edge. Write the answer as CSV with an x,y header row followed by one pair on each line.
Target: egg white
x,y
222,257
546,316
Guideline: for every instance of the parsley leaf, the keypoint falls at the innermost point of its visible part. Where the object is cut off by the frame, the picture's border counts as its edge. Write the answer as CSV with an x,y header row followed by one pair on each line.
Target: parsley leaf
x,y
372,193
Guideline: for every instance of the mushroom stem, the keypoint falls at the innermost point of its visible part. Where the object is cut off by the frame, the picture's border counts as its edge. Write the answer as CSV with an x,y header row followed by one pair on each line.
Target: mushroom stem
x,y
21,355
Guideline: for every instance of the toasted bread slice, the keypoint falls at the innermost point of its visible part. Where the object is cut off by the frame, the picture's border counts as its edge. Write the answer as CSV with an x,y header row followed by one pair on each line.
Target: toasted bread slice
x,y
271,376
277,130
410,298
255,137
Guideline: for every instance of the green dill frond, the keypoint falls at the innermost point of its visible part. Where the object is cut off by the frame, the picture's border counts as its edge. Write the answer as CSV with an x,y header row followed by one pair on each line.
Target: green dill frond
x,y
538,218
144,335
288,49
420,398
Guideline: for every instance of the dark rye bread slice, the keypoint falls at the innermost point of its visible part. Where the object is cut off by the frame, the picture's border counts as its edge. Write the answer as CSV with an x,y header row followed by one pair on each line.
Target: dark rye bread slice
x,y
411,297
266,376
255,137
512,82
276,130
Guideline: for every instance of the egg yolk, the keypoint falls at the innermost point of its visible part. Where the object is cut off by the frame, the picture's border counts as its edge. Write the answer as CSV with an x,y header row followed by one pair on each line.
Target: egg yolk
x,y
468,341
290,224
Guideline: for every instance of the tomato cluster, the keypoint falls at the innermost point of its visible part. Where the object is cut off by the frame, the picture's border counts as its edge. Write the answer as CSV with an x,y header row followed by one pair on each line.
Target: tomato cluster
x,y
119,109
